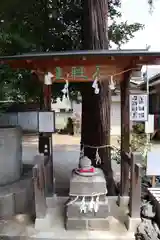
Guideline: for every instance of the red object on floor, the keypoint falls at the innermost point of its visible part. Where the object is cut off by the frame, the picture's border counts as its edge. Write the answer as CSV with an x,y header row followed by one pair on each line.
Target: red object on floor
x,y
86,170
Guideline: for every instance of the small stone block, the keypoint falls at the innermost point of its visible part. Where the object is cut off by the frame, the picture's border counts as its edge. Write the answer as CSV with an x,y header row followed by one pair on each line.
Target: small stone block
x,y
76,224
7,207
98,224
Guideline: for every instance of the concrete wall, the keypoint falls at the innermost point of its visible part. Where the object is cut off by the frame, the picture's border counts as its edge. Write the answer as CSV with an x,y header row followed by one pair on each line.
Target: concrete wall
x,y
10,155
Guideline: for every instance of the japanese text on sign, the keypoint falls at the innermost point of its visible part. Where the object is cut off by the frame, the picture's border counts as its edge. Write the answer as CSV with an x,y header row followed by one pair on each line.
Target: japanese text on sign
x,y
139,108
76,72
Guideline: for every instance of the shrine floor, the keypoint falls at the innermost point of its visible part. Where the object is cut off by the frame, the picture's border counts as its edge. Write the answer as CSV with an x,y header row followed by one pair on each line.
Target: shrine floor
x,y
65,158
52,227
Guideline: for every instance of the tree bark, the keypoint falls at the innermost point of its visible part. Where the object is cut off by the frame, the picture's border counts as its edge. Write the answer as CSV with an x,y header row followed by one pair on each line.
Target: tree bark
x,y
96,108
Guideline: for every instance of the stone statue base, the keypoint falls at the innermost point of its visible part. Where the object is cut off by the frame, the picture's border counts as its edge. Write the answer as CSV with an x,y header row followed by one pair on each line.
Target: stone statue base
x,y
87,208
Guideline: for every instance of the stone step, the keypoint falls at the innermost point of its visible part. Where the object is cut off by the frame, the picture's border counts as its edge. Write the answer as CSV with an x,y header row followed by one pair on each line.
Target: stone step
x,y
53,225
82,235
118,212
97,224
114,209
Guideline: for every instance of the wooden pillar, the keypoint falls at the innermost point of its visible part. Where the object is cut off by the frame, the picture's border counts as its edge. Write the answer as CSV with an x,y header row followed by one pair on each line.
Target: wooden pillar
x,y
47,94
125,133
47,90
40,200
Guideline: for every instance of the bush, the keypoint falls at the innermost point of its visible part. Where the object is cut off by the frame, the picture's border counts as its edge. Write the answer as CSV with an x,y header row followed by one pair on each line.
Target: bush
x,y
138,144
139,128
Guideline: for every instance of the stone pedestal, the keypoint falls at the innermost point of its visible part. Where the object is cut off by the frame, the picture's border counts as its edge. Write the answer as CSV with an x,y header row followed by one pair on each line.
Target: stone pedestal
x,y
90,188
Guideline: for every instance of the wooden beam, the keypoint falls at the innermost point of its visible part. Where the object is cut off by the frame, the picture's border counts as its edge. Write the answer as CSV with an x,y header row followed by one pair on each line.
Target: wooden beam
x,y
125,133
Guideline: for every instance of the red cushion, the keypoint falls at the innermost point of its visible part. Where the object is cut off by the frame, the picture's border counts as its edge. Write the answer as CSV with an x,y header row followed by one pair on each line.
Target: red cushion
x,y
86,170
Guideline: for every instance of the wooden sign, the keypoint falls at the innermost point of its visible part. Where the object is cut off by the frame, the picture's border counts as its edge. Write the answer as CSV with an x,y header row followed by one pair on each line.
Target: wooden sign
x,y
139,107
84,73
46,122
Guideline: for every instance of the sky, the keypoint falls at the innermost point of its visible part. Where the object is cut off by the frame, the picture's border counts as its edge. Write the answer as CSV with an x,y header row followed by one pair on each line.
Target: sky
x,y
138,11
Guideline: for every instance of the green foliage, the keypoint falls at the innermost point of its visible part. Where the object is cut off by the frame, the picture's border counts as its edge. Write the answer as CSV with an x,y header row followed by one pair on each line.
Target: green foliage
x,y
123,32
17,86
139,128
47,25
138,144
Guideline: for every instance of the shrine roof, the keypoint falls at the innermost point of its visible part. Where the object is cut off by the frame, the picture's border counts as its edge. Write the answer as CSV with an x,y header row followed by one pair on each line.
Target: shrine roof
x,y
112,62
93,53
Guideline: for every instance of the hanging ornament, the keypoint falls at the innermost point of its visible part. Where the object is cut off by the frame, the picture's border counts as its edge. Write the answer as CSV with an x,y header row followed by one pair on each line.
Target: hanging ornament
x,y
48,78
65,89
65,98
95,83
96,91
95,86
112,85
67,101
97,158
83,206
96,204
91,205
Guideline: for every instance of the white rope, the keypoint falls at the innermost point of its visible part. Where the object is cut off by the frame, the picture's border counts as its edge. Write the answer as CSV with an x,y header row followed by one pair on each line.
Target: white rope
x,y
97,156
72,201
89,195
98,147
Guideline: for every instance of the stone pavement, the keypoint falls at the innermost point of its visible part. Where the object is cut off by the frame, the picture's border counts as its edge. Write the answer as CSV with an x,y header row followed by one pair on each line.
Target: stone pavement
x,y
53,227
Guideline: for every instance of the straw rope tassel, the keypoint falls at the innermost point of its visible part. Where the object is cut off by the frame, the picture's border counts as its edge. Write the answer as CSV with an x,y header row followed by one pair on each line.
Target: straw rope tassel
x,y
83,207
97,158
96,205
91,205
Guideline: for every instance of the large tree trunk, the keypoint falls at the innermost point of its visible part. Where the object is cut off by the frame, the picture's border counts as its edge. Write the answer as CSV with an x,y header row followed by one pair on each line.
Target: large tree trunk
x,y
96,108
